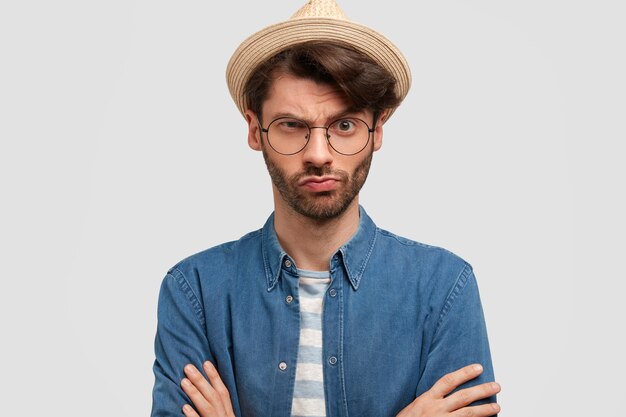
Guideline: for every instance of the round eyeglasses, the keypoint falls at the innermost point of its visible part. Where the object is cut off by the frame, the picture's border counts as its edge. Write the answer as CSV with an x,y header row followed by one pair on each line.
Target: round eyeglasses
x,y
288,136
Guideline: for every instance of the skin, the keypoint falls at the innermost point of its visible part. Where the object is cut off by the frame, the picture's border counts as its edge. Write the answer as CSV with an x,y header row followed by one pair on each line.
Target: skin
x,y
312,240
312,224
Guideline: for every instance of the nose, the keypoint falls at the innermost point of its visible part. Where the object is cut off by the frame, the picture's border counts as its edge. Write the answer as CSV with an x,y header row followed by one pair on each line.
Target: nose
x,y
317,151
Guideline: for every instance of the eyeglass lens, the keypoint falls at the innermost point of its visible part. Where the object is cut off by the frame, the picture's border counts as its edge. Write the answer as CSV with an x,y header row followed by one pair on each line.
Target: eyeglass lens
x,y
347,136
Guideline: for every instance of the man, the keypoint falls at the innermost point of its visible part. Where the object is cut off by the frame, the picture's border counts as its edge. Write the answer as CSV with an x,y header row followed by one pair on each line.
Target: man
x,y
320,312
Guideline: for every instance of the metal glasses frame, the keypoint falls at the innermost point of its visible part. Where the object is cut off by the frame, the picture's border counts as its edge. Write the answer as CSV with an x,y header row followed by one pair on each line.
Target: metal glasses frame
x,y
370,130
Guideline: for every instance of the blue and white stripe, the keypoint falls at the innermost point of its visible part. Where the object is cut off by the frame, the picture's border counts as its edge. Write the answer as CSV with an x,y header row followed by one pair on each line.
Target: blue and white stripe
x,y
308,396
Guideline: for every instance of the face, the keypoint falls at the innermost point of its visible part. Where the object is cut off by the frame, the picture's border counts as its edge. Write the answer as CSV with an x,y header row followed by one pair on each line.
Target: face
x,y
317,182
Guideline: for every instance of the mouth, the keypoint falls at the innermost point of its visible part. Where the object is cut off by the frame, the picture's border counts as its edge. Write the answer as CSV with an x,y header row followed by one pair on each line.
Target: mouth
x,y
319,184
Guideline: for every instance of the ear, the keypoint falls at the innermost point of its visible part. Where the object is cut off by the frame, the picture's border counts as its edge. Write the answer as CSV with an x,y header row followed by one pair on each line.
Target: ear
x,y
254,130
378,131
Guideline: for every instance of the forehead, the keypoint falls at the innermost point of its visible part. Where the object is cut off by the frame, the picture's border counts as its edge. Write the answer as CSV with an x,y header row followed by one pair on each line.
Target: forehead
x,y
304,98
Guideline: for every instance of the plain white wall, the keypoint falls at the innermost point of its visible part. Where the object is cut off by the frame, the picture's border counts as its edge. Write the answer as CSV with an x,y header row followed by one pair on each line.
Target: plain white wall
x,y
121,153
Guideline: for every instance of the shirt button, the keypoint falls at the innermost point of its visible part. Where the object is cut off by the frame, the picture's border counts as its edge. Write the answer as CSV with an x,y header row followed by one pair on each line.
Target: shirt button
x,y
289,299
282,366
332,360
332,292
287,263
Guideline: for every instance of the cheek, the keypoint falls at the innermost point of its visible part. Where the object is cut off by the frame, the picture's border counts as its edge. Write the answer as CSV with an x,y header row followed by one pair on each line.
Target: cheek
x,y
358,161
287,166
362,168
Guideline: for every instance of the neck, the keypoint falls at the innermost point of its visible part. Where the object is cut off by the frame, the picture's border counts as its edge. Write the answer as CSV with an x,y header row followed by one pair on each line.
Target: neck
x,y
312,242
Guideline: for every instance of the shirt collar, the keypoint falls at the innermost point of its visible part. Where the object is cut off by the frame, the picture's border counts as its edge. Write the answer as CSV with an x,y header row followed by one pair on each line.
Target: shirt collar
x,y
354,254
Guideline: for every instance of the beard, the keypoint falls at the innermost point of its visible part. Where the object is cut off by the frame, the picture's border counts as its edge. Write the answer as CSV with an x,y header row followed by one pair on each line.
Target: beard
x,y
324,205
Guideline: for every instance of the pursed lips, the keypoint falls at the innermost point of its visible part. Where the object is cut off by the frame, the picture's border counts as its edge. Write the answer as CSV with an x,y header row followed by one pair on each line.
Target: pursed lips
x,y
325,183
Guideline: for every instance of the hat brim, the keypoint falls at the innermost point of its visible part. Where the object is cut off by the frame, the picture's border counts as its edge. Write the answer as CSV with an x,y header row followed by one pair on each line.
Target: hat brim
x,y
269,41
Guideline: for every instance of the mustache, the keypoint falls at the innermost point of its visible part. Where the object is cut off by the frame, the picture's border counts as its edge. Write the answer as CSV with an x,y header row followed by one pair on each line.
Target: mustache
x,y
319,171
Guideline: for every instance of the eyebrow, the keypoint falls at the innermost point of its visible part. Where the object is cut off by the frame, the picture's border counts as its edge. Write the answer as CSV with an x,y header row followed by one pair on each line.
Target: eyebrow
x,y
330,118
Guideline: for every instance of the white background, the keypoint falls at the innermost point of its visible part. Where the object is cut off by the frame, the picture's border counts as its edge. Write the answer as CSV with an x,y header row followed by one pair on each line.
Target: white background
x,y
122,153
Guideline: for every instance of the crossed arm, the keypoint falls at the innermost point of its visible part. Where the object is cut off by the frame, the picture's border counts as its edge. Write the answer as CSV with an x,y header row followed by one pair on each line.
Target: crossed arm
x,y
181,339
212,399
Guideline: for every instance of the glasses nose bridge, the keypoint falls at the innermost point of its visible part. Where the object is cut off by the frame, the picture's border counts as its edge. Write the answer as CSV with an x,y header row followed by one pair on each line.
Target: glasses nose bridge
x,y
316,150
324,128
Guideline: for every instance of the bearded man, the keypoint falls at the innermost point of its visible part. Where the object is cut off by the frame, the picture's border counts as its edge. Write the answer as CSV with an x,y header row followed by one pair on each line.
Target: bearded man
x,y
320,312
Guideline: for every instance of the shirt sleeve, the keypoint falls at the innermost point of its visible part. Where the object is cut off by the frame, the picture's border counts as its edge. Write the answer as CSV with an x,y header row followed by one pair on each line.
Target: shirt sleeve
x,y
460,337
180,339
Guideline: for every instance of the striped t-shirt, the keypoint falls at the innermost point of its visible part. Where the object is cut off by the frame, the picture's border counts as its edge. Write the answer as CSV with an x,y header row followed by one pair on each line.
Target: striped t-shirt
x,y
308,396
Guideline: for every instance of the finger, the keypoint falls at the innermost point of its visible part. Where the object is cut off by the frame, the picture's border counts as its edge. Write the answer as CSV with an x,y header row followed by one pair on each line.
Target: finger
x,y
467,396
219,386
203,386
201,403
485,410
449,382
188,411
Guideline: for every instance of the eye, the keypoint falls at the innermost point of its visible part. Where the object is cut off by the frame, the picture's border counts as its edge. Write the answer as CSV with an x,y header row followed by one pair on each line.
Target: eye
x,y
290,125
343,127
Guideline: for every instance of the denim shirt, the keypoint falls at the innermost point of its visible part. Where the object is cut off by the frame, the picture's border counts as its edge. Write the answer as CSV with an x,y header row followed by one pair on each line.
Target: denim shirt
x,y
397,316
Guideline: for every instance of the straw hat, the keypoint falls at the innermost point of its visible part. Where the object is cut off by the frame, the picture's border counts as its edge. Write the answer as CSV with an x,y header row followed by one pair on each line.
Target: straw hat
x,y
316,20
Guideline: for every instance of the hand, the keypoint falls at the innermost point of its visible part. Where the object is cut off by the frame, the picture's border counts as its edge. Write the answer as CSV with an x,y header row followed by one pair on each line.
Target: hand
x,y
434,403
211,399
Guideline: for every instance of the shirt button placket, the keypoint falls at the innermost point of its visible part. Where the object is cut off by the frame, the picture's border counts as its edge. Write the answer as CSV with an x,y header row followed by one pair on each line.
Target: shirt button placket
x,y
333,321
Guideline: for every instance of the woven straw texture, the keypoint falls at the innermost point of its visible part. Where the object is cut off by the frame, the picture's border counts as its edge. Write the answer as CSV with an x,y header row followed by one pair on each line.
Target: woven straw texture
x,y
317,20
321,8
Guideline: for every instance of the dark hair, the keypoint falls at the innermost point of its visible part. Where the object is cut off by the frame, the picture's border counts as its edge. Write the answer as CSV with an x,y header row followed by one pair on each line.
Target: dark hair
x,y
366,84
